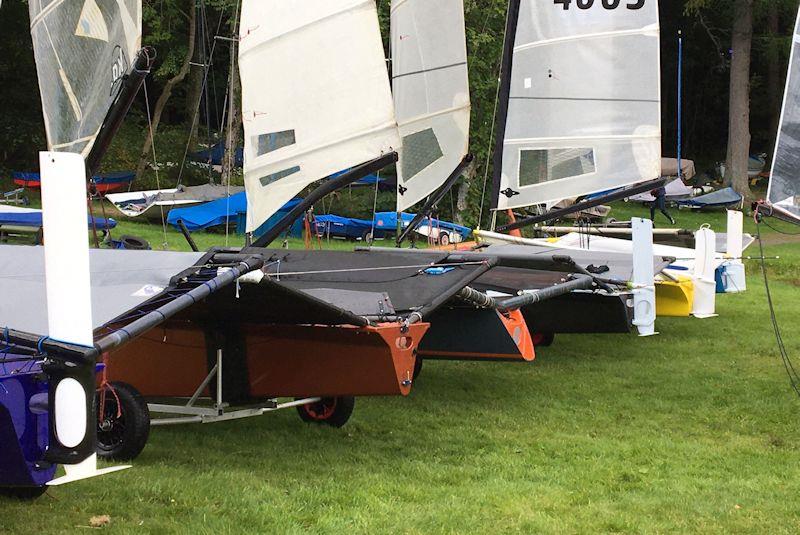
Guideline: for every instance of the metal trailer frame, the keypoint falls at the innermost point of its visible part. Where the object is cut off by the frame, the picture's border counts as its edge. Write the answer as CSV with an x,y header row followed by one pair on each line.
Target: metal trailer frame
x,y
217,412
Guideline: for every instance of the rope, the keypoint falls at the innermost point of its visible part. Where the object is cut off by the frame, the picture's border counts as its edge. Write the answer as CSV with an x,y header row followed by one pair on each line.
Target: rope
x,y
794,378
155,164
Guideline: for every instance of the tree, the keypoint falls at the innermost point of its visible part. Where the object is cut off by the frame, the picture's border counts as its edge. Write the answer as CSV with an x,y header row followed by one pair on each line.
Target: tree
x,y
736,163
166,93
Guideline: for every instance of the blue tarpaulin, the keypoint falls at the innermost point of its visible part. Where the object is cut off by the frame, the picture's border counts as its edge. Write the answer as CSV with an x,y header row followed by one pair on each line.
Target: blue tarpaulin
x,y
232,209
215,154
342,227
388,221
33,219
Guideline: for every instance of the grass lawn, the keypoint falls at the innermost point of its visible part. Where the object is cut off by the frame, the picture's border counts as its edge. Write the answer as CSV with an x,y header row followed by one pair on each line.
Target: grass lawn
x,y
691,431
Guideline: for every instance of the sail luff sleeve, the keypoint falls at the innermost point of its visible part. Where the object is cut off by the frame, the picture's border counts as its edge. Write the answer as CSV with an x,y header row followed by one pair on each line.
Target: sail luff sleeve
x,y
501,119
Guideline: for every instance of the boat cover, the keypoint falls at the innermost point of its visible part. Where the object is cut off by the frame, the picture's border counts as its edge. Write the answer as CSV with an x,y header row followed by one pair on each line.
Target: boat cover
x,y
216,212
301,287
388,220
31,217
120,281
716,199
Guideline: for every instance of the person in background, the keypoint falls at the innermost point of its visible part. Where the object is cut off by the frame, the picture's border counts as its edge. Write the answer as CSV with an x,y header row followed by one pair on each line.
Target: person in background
x,y
660,202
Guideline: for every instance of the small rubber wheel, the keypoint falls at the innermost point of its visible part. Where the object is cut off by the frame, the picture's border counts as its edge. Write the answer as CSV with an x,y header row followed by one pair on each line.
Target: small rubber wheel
x,y
444,239
329,411
543,339
417,367
124,425
367,237
23,493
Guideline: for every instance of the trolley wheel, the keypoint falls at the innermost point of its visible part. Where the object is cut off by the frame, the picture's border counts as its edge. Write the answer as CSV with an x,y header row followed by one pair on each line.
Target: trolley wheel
x,y
444,239
124,425
23,493
367,237
543,339
417,367
329,411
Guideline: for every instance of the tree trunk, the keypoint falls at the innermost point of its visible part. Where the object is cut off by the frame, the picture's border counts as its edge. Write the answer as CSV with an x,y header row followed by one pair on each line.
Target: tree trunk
x,y
739,112
194,96
774,81
462,204
234,118
158,110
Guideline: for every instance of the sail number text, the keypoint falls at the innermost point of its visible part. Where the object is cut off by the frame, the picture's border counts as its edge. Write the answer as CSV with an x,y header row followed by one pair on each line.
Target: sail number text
x,y
607,4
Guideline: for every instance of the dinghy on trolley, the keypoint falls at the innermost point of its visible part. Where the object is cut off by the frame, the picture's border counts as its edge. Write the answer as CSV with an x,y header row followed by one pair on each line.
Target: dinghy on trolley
x,y
783,193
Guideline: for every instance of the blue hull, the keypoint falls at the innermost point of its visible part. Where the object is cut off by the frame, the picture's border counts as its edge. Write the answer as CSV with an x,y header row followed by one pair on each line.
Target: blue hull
x,y
23,425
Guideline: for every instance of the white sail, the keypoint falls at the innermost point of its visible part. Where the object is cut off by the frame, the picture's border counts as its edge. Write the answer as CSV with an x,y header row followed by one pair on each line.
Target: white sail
x,y
431,94
580,107
83,48
316,97
784,184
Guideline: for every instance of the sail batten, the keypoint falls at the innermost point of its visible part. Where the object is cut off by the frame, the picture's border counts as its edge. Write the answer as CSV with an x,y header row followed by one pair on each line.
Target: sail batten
x,y
316,97
580,102
431,94
83,49
784,185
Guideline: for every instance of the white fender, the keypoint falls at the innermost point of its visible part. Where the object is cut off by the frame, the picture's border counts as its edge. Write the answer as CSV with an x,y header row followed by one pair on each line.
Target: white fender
x,y
644,292
705,285
69,297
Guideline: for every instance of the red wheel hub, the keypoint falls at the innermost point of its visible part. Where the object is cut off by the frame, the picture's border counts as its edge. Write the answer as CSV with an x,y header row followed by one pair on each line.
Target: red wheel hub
x,y
321,410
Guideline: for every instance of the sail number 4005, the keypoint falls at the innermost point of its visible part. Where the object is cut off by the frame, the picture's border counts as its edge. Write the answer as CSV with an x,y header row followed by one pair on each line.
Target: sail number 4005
x,y
608,4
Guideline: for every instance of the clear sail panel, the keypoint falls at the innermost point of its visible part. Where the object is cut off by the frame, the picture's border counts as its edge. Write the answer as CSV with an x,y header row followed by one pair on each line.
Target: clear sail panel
x,y
784,186
316,97
83,48
431,94
583,102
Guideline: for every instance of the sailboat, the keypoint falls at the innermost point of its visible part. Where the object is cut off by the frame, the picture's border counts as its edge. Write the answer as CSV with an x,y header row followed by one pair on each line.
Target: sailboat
x,y
89,65
253,324
783,193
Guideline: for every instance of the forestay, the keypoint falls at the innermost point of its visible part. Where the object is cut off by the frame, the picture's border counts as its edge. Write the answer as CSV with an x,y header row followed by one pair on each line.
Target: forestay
x,y
784,185
431,94
83,49
316,95
579,108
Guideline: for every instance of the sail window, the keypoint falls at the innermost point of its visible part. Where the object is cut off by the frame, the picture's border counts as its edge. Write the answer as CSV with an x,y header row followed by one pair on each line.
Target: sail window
x,y
274,177
266,143
420,150
546,165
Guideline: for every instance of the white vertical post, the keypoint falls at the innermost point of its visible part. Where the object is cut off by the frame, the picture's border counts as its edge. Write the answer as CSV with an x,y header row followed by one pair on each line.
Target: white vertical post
x,y
69,297
735,279
644,292
705,285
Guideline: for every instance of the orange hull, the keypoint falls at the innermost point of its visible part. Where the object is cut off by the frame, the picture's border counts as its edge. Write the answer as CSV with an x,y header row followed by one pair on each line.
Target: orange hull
x,y
293,361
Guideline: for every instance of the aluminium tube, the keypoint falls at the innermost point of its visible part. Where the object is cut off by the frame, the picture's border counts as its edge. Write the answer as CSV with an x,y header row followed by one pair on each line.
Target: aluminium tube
x,y
180,303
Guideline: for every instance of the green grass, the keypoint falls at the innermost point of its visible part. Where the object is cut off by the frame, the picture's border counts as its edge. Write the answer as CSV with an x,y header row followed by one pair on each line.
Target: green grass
x,y
693,431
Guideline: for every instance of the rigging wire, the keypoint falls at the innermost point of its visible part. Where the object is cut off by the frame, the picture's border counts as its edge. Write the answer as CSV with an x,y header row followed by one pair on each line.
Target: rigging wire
x,y
791,371
155,164
204,87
